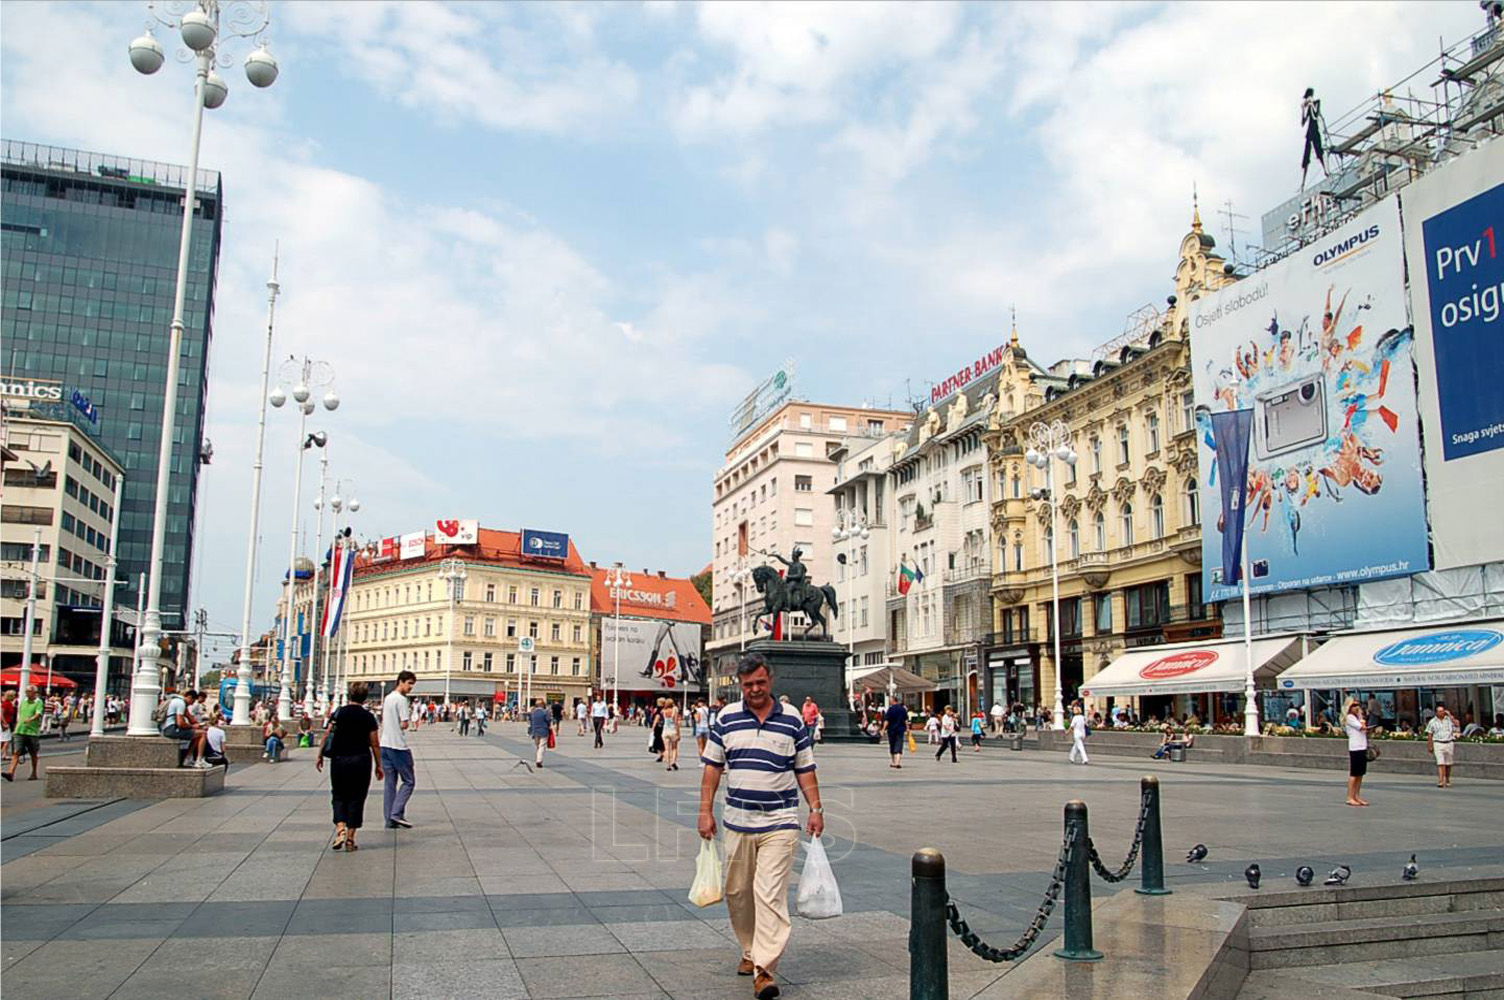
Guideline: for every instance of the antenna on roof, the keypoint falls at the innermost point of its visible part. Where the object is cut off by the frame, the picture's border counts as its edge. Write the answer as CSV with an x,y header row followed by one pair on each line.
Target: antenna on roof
x,y
1232,230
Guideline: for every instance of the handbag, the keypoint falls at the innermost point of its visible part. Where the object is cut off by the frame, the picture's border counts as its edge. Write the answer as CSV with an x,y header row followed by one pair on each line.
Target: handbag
x,y
1372,753
552,741
328,740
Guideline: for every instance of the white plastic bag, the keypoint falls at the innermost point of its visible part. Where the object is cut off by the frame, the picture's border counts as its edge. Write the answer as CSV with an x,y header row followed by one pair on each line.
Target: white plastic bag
x,y
710,883
819,896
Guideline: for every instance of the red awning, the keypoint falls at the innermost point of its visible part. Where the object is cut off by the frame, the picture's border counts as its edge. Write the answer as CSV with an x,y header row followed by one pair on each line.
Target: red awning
x,y
12,677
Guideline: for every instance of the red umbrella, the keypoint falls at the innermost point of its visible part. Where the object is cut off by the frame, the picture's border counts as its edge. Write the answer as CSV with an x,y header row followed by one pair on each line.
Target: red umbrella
x,y
12,677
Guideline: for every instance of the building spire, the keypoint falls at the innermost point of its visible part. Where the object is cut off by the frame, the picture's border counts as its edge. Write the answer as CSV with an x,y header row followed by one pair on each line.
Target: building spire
x,y
1195,210
1013,312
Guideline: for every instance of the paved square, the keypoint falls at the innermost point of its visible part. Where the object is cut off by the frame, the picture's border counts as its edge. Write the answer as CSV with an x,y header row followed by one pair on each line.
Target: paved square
x,y
572,881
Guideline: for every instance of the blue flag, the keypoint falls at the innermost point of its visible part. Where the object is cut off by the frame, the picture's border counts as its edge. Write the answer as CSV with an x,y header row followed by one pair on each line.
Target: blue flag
x,y
1232,431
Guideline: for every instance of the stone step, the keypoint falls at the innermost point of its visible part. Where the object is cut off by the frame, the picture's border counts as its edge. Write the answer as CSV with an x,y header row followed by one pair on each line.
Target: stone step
x,y
1320,904
1469,975
1371,939
133,782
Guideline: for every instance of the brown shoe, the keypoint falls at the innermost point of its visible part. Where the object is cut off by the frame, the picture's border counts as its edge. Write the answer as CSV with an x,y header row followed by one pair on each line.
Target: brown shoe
x,y
763,987
745,967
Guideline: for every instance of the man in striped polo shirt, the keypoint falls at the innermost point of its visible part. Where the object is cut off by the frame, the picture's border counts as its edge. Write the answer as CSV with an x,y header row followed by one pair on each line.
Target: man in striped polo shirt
x,y
768,755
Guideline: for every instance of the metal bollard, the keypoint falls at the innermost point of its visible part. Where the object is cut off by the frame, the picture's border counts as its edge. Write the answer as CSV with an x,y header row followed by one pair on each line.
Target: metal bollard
x,y
1077,890
929,974
1152,855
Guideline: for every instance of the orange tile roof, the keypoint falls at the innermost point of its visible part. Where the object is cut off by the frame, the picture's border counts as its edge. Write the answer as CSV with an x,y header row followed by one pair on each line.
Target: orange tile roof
x,y
497,547
650,596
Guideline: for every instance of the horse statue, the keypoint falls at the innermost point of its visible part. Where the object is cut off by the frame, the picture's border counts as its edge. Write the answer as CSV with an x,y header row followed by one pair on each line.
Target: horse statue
x,y
776,597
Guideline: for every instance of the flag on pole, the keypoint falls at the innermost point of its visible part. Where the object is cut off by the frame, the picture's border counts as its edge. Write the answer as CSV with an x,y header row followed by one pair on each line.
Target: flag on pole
x,y
1231,432
340,573
908,576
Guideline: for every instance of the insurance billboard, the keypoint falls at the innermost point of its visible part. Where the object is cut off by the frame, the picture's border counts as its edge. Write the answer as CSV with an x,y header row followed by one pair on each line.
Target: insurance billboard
x,y
1454,228
651,655
1320,348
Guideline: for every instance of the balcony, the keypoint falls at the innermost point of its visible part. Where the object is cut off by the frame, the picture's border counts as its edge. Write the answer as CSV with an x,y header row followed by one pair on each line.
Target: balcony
x,y
1095,568
923,522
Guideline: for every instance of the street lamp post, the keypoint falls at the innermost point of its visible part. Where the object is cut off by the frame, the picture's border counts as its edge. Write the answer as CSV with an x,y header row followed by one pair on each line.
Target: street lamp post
x,y
342,540
316,645
1049,443
106,618
851,526
310,375
243,676
452,572
200,30
616,578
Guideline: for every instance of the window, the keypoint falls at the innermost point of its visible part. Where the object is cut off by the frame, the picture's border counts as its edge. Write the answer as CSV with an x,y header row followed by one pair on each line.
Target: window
x,y
1099,531
489,627
553,664
511,664
532,629
1124,453
511,628
1192,502
579,633
511,593
1075,538
486,662
1153,429
874,428
1147,606
579,600
805,421
1187,411
469,624
1126,517
838,425
1018,557
490,593
554,632
428,626
466,662
971,484
1156,516
534,596
804,484
1096,455
1196,607
558,598
804,517
1018,487
574,666
1104,614
804,449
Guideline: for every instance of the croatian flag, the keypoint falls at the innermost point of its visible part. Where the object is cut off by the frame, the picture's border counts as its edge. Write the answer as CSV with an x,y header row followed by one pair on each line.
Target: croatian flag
x,y
340,572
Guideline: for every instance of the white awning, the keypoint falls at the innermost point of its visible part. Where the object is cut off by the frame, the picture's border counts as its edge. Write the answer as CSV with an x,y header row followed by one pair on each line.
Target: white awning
x,y
877,678
1456,653
1192,668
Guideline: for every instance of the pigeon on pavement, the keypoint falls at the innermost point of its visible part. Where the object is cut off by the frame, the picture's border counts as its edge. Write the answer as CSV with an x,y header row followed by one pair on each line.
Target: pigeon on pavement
x,y
1197,853
1252,874
1412,870
1339,875
1304,875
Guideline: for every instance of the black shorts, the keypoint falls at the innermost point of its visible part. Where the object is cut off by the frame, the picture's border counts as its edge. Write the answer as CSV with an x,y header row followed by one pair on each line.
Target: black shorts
x,y
25,743
1357,763
895,740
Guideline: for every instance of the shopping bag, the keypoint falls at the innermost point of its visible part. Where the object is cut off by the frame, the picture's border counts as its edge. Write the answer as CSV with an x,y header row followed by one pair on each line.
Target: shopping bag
x,y
709,885
552,740
913,747
819,896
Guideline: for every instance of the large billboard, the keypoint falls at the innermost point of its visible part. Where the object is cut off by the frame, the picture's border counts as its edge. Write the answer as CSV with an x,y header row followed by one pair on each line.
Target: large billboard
x,y
1319,347
770,394
457,532
1454,223
544,544
654,655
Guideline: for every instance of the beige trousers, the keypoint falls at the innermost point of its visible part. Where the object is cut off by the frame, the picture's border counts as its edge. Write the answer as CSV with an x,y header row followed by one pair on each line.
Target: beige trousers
x,y
758,866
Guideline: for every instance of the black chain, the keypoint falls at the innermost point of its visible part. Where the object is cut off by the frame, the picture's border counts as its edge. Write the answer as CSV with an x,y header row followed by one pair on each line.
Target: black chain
x,y
1026,941
1138,842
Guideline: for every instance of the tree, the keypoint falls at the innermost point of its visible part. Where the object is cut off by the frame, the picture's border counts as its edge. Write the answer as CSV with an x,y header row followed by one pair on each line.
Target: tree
x,y
704,585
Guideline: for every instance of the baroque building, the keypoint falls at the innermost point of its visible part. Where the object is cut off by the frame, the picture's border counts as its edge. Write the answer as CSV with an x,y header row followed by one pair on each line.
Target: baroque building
x,y
1129,550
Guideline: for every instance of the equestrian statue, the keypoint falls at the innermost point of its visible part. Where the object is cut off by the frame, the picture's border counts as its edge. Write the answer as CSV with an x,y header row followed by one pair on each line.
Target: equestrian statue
x,y
793,592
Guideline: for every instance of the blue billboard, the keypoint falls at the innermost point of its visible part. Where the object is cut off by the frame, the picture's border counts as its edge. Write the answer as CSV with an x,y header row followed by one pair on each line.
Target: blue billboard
x,y
544,544
1465,278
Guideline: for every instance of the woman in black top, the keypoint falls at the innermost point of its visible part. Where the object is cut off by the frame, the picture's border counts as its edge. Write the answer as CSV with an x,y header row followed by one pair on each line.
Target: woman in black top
x,y
351,746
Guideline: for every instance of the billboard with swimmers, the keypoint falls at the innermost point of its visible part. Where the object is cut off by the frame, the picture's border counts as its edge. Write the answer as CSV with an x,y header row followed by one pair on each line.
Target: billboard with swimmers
x,y
1320,348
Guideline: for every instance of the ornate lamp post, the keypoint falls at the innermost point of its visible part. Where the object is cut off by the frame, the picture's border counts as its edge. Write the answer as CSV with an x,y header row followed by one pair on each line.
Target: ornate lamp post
x,y
1048,444
452,572
851,526
343,540
200,26
616,578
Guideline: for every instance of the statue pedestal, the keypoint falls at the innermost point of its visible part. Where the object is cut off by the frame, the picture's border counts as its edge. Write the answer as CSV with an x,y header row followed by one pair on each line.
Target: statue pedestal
x,y
814,669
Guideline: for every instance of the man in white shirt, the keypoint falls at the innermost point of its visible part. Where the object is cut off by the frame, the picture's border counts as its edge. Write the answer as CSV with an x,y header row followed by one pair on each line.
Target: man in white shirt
x,y
1078,735
396,758
599,712
1441,734
581,713
997,712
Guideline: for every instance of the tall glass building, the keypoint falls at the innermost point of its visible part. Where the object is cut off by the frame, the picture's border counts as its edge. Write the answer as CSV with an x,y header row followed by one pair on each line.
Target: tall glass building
x,y
90,250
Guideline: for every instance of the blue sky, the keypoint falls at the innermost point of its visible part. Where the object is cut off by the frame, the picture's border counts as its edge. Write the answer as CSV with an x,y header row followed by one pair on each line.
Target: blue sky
x,y
548,246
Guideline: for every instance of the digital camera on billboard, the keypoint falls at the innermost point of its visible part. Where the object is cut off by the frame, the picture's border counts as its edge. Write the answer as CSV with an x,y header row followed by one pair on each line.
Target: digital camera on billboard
x,y
1291,417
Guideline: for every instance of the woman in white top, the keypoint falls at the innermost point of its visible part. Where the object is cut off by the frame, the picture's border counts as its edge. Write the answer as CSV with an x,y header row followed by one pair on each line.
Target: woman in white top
x,y
1356,726
671,735
947,733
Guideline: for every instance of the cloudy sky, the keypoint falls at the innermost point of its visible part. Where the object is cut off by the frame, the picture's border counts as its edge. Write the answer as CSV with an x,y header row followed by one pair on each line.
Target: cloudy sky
x,y
547,247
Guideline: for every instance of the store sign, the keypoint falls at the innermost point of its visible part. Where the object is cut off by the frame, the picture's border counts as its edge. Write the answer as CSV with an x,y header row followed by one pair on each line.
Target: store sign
x,y
772,393
1438,647
83,405
39,389
544,544
643,597
1178,664
414,545
984,365
457,532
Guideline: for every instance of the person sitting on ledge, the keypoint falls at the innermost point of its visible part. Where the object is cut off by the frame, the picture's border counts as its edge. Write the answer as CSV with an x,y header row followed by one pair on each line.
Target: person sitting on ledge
x,y
180,725
1170,740
276,738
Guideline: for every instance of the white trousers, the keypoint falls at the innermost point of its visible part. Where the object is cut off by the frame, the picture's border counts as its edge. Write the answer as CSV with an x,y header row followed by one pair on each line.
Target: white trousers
x,y
1078,746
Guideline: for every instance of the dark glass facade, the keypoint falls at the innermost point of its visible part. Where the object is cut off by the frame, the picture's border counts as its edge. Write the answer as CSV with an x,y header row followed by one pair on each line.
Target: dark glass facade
x,y
89,249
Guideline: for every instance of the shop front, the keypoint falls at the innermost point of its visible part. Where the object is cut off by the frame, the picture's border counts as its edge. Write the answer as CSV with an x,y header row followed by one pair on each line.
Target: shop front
x,y
1010,678
1204,680
1402,674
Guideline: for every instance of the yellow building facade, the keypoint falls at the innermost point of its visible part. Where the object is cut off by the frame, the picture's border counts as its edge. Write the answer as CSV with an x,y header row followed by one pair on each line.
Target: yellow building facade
x,y
1129,550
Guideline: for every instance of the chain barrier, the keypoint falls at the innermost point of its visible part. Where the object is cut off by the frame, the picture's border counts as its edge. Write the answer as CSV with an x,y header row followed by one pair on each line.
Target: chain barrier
x,y
1026,941
1138,842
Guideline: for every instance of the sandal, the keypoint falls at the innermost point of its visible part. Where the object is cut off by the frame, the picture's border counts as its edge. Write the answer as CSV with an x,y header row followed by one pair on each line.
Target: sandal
x,y
351,845
339,841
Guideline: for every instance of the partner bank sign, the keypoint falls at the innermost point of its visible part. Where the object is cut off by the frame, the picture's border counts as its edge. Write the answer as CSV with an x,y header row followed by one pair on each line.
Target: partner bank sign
x,y
1319,347
544,544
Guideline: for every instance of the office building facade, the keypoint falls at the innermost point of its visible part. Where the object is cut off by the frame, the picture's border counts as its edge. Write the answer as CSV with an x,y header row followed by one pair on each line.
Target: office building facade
x,y
90,247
